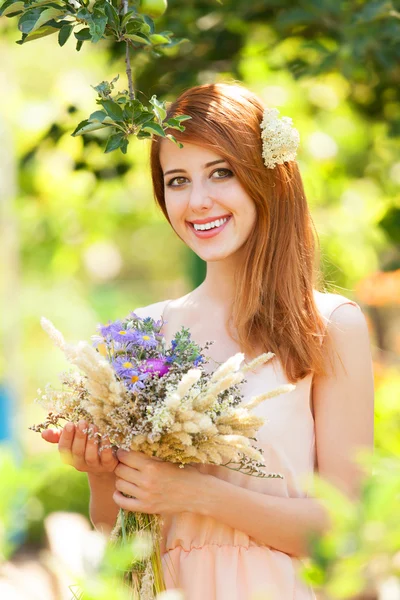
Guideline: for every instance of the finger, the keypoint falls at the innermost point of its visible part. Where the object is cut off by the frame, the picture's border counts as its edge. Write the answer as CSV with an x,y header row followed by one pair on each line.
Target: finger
x,y
80,439
92,457
51,435
134,459
127,473
130,504
108,458
130,489
65,442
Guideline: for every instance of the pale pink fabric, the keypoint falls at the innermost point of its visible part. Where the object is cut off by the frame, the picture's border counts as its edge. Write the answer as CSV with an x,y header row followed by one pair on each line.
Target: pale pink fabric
x,y
211,561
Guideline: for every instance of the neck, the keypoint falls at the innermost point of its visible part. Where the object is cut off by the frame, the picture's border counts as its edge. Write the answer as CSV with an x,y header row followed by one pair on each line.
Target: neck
x,y
219,286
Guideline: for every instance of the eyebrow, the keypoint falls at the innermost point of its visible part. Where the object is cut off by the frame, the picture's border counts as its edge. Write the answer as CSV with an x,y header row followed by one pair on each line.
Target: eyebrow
x,y
209,164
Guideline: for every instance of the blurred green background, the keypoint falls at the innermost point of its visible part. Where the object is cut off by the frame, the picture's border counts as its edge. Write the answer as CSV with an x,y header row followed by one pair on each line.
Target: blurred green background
x,y
81,240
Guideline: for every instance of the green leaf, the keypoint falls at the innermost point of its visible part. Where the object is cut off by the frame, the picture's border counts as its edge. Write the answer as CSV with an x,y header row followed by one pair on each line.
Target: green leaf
x,y
144,117
181,118
39,3
28,20
136,19
84,14
173,139
112,15
156,38
98,115
47,14
64,34
85,127
113,109
96,20
83,34
79,45
39,33
154,128
115,141
124,145
143,135
11,7
105,88
145,28
159,108
138,37
97,25
149,21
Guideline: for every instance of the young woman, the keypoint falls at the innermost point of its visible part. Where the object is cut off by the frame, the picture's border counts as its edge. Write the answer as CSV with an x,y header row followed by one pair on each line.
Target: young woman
x,y
234,195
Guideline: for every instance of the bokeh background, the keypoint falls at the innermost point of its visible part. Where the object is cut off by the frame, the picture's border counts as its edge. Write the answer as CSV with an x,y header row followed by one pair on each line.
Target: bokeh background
x,y
82,242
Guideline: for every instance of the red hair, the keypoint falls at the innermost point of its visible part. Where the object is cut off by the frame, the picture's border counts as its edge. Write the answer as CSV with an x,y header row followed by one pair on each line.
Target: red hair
x,y
274,308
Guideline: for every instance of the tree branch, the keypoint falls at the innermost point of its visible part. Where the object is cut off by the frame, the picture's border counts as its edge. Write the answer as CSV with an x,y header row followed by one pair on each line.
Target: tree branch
x,y
127,58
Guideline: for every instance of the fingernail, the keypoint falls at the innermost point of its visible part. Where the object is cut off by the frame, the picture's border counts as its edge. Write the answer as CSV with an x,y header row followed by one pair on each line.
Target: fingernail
x,y
82,425
69,427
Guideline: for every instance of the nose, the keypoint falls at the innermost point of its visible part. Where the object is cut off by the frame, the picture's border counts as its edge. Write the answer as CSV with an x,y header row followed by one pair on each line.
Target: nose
x,y
200,199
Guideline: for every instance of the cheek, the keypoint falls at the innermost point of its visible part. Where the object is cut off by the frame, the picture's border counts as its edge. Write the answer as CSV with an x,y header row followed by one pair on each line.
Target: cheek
x,y
174,207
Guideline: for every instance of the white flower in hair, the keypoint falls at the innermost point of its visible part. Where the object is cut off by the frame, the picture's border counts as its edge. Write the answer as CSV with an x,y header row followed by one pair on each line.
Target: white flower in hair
x,y
280,139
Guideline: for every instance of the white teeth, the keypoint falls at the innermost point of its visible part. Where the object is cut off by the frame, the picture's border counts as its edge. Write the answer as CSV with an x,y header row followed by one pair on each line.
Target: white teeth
x,y
210,225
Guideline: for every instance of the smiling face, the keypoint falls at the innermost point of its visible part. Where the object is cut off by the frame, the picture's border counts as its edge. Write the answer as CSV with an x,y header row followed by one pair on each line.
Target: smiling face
x,y
207,206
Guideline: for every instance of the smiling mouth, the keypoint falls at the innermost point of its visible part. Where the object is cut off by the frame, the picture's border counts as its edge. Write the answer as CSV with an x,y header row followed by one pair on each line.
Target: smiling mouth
x,y
203,227
212,231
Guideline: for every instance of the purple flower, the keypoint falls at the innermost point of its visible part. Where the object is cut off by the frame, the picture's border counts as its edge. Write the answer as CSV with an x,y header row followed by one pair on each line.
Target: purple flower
x,y
125,336
198,360
123,366
155,365
109,330
135,381
146,340
131,376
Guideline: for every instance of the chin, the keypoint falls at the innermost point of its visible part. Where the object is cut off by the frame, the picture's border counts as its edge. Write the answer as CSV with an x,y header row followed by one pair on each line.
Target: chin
x,y
214,256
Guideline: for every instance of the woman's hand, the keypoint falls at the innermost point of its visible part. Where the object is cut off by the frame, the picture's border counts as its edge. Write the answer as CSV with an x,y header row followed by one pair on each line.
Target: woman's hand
x,y
156,486
82,452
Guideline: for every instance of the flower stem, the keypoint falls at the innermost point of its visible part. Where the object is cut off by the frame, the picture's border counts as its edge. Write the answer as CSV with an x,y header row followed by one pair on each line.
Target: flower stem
x,y
123,528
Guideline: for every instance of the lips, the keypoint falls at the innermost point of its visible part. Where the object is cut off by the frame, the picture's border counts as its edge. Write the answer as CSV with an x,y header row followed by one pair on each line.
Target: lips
x,y
207,233
208,220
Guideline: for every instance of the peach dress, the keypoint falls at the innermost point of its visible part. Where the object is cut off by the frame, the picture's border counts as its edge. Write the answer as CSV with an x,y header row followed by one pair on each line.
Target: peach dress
x,y
209,560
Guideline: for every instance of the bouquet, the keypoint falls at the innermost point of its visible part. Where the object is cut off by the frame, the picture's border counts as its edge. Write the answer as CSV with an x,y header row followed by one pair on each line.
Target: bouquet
x,y
145,396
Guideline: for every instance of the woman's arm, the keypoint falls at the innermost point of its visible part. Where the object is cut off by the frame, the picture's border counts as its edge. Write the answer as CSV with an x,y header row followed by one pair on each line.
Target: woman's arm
x,y
102,508
84,454
343,407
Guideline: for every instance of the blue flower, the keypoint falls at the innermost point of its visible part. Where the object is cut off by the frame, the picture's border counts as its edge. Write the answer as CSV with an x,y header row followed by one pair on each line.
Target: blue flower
x,y
198,360
171,359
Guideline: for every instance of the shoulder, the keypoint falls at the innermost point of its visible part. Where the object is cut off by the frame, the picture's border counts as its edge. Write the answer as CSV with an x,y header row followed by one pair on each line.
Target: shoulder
x,y
337,310
348,333
154,311
157,309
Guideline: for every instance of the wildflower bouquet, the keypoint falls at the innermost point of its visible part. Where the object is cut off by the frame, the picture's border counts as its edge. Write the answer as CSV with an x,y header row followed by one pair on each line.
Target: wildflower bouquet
x,y
145,396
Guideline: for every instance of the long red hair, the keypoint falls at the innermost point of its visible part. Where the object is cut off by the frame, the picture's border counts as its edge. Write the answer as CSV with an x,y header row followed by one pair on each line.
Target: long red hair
x,y
274,308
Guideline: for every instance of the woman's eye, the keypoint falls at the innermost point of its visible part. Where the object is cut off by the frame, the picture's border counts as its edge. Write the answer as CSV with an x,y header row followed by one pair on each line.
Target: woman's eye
x,y
226,173
176,179
180,180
